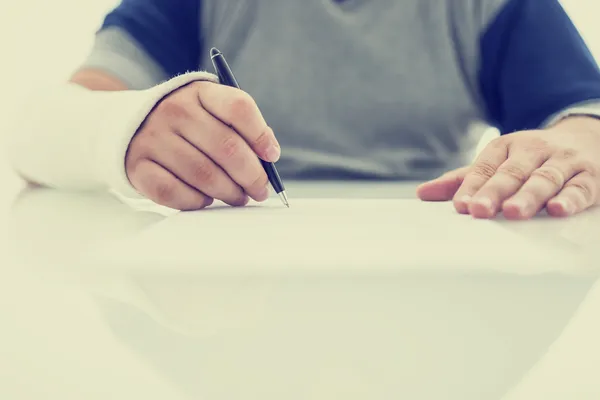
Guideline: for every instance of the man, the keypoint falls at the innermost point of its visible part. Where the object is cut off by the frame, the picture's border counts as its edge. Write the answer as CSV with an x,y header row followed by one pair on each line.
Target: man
x,y
352,89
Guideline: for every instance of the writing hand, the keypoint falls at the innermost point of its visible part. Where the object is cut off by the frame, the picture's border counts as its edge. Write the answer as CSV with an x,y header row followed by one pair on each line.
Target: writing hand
x,y
199,144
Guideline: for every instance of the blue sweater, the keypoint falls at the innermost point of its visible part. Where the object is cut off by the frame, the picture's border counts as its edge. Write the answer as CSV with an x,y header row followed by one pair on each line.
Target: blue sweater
x,y
385,89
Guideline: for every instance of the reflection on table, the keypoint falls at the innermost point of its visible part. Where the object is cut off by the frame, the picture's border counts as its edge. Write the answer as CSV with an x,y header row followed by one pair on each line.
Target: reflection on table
x,y
182,335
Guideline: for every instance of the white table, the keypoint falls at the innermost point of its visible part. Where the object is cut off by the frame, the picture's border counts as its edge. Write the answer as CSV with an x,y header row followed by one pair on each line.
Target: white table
x,y
70,332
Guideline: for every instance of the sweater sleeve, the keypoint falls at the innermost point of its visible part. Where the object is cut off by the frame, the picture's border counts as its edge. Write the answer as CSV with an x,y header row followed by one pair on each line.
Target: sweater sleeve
x,y
146,42
535,66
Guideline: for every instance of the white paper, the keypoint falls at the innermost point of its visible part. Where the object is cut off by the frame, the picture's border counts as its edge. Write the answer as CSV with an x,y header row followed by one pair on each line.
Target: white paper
x,y
326,235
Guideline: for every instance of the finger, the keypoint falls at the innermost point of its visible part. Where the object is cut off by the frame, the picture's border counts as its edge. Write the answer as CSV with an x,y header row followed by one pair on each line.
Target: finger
x,y
484,168
507,180
578,194
197,170
228,150
237,109
442,188
162,187
545,182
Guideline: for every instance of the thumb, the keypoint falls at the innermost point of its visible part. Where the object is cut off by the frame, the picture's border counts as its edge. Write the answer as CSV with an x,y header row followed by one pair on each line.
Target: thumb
x,y
444,187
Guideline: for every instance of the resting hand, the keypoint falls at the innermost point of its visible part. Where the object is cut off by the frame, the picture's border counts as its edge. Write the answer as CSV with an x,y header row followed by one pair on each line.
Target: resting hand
x,y
520,174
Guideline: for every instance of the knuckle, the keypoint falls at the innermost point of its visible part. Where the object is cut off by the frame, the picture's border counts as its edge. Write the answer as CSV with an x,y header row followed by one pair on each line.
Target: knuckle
x,y
260,180
173,108
264,138
203,173
499,142
515,171
550,174
566,154
242,105
586,189
133,165
484,169
590,167
536,144
164,191
231,146
537,148
139,149
145,133
196,86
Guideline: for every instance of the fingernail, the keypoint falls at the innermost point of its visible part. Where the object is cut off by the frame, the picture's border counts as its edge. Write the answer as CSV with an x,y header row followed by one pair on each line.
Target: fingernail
x,y
466,199
462,204
273,153
520,204
567,206
484,202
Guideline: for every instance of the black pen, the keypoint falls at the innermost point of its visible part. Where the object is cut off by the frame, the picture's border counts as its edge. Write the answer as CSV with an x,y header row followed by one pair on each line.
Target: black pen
x,y
226,77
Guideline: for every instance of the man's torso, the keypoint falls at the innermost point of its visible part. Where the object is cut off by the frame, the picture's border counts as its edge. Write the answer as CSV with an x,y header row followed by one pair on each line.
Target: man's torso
x,y
361,88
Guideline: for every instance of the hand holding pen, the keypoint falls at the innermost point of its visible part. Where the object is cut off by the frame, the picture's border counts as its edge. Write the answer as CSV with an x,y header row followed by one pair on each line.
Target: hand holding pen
x,y
203,142
226,77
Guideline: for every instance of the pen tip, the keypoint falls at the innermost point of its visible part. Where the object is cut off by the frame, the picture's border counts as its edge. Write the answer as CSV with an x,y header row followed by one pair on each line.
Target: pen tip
x,y
284,199
214,52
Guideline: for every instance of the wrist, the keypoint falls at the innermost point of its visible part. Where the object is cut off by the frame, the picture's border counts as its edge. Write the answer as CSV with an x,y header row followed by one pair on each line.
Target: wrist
x,y
577,122
137,105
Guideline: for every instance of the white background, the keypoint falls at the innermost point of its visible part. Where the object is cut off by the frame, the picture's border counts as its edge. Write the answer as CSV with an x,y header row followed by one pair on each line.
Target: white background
x,y
43,41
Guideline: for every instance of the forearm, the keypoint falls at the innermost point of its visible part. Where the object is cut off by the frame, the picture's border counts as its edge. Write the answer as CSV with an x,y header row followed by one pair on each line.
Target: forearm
x,y
91,79
70,137
62,136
